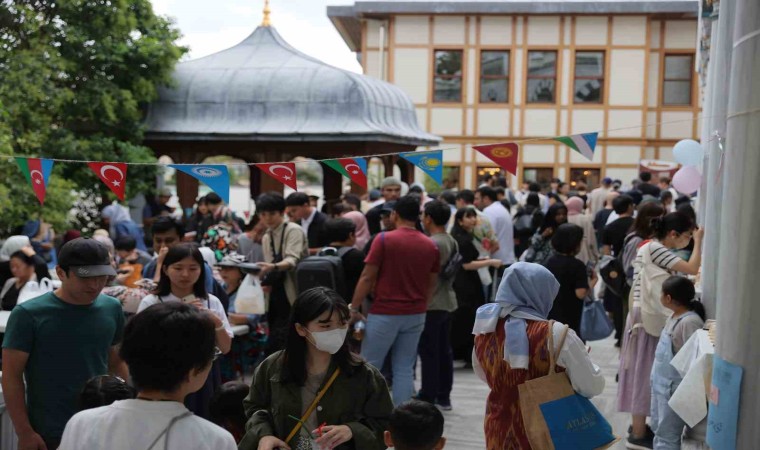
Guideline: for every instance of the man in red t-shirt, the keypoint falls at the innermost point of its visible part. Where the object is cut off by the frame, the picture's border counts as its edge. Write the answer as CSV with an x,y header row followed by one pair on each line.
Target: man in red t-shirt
x,y
403,267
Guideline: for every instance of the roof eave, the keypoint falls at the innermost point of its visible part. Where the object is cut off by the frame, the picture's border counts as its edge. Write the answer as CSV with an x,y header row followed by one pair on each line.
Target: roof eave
x,y
419,141
342,17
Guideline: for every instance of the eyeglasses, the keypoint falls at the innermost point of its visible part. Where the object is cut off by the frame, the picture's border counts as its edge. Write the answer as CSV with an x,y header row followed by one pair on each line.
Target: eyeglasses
x,y
217,354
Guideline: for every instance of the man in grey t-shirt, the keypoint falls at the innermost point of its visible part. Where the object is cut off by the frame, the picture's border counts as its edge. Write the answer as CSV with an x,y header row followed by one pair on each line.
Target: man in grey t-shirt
x,y
435,343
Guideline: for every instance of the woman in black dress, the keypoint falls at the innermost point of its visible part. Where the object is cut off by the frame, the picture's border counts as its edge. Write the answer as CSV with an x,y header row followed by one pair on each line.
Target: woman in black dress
x,y
467,284
572,275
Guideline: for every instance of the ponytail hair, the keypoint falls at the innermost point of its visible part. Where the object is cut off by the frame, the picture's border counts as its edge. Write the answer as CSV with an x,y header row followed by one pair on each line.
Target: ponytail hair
x,y
675,221
682,291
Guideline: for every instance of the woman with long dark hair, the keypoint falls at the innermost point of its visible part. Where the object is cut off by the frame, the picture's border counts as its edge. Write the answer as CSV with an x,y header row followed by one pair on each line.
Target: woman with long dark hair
x,y
317,368
541,243
182,281
647,316
468,286
526,221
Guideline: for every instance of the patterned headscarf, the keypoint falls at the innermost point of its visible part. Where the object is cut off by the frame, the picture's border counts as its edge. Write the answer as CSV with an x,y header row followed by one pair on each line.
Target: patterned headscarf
x,y
527,291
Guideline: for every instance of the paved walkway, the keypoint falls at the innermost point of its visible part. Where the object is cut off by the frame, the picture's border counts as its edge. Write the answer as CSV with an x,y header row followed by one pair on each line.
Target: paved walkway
x,y
464,425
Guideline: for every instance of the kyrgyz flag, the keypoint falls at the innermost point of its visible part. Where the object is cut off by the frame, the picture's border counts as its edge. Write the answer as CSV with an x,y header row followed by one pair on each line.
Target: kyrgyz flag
x,y
355,169
581,143
214,176
113,175
285,173
430,162
37,173
505,155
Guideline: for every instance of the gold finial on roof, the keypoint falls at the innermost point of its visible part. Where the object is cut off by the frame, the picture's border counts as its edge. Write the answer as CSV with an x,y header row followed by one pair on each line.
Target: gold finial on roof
x,y
266,22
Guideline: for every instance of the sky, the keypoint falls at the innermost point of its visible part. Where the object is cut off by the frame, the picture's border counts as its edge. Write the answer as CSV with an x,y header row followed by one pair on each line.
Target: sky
x,y
210,26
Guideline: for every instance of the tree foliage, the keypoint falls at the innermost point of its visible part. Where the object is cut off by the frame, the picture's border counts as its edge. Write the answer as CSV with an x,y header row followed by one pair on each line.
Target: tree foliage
x,y
75,79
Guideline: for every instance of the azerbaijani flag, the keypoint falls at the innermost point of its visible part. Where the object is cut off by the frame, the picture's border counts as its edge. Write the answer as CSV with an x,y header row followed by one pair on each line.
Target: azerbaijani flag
x,y
355,169
37,172
581,143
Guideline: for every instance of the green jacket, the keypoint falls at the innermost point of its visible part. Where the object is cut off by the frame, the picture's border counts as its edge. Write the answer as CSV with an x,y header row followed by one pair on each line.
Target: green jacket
x,y
361,401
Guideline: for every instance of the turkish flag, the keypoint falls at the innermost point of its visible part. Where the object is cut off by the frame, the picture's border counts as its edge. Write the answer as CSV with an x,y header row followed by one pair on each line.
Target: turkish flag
x,y
505,155
285,173
355,171
113,175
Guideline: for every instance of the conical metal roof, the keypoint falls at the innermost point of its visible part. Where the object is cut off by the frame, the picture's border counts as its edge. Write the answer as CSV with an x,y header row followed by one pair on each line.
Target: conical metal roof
x,y
263,89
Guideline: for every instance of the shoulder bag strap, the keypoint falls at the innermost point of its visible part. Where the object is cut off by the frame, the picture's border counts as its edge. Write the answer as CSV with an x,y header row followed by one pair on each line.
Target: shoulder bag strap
x,y
166,430
554,355
313,405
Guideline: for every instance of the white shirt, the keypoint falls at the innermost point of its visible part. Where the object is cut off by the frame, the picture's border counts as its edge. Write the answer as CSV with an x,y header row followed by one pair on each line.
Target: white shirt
x,y
501,222
585,376
135,424
212,304
307,221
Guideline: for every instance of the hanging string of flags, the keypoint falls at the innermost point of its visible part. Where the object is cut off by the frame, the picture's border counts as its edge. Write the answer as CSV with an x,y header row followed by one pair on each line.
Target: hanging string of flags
x,y
216,176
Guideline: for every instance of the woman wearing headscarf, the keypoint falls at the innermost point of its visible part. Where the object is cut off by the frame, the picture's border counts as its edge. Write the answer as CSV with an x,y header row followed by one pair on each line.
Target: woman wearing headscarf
x,y
523,302
541,243
20,243
575,215
119,223
362,230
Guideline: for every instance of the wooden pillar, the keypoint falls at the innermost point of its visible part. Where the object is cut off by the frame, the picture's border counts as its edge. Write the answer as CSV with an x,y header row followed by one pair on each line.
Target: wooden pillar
x,y
407,170
262,183
388,163
332,185
187,186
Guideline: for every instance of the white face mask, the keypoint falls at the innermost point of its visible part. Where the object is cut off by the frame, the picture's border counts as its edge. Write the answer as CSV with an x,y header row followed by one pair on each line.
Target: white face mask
x,y
329,341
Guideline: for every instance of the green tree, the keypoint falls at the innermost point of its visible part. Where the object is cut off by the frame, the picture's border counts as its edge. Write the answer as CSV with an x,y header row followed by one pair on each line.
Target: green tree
x,y
75,79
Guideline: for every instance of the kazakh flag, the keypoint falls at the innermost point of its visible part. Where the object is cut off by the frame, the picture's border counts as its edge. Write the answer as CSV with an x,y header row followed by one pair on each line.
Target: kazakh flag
x,y
430,162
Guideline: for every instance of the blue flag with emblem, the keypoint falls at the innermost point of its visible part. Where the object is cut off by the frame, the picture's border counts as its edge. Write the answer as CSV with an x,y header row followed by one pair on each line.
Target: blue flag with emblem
x,y
214,176
430,162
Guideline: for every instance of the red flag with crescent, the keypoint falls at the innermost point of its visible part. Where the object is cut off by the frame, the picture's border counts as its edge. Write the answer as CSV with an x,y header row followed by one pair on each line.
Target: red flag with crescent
x,y
113,175
285,173
505,155
356,169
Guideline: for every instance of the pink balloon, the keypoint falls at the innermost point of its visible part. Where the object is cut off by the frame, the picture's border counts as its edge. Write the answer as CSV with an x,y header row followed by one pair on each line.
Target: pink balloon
x,y
687,180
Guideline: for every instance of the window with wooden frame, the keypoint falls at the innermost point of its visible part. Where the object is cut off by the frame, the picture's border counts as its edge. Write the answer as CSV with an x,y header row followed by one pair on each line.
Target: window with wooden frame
x,y
494,76
677,80
541,85
447,78
589,77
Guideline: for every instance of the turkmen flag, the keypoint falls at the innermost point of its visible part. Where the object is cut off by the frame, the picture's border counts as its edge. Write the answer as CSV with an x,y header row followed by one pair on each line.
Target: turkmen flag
x,y
37,173
581,143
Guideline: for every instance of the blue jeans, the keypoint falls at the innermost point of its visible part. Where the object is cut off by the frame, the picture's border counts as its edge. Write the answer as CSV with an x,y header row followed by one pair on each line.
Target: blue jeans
x,y
399,335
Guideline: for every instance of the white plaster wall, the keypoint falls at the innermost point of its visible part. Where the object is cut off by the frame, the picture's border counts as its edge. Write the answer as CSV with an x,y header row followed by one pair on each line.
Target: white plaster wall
x,y
654,79
519,30
654,34
652,120
587,120
625,118
412,30
649,153
372,68
680,130
452,155
533,154
565,77
626,81
373,33
517,75
421,117
629,30
623,154
448,30
495,30
516,121
446,121
666,153
563,122
681,34
493,122
543,30
410,72
470,121
540,122
472,75
591,30
472,37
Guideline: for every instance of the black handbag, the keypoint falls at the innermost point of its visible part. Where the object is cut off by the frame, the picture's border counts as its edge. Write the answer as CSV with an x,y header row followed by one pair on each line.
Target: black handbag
x,y
275,278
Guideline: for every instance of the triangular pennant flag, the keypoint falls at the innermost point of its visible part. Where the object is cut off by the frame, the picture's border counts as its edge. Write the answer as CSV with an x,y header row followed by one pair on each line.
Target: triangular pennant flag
x,y
356,169
113,175
505,155
285,173
214,176
581,143
37,172
430,162
336,166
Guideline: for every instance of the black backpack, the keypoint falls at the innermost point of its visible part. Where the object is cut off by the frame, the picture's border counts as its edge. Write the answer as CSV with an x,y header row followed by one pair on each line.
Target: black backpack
x,y
323,269
613,272
453,265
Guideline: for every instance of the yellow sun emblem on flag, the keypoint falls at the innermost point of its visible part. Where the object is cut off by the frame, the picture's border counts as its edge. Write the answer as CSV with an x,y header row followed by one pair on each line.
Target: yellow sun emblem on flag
x,y
430,163
502,152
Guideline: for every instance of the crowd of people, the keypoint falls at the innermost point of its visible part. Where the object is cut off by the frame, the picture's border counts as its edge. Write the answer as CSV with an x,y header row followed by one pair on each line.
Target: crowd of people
x,y
151,326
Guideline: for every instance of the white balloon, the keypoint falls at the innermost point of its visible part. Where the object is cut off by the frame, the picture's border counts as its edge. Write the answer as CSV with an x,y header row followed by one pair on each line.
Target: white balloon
x,y
688,152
